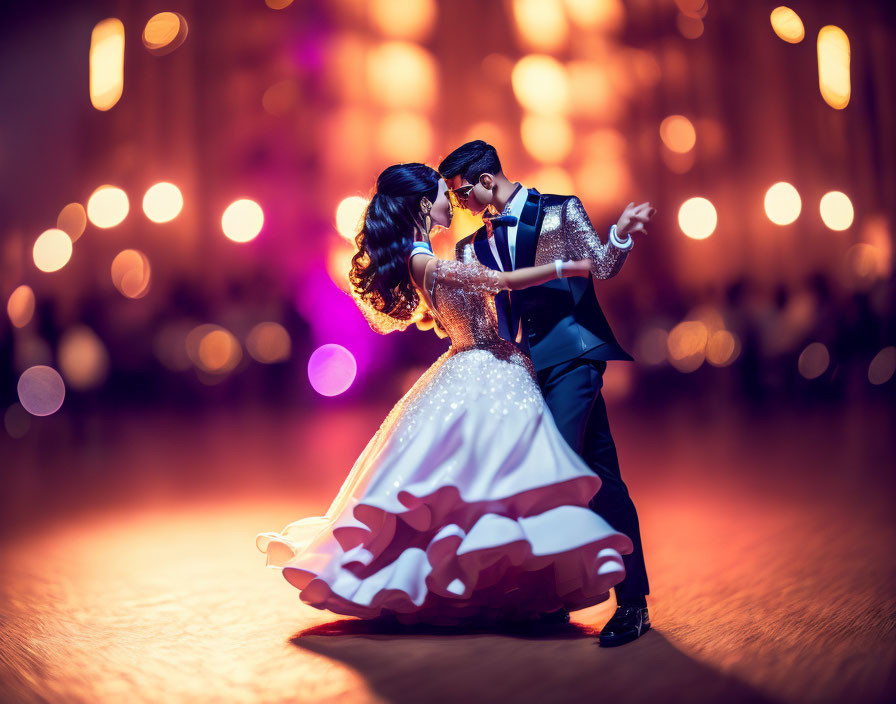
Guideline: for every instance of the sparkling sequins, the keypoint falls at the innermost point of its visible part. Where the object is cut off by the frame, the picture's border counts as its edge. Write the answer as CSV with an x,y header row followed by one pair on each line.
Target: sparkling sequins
x,y
567,233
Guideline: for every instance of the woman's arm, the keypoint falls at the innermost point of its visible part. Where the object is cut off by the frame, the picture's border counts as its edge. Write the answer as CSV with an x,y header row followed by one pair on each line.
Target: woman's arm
x,y
537,275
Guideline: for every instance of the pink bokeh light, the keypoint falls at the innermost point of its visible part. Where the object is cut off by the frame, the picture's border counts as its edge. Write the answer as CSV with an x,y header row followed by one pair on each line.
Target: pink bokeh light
x,y
331,369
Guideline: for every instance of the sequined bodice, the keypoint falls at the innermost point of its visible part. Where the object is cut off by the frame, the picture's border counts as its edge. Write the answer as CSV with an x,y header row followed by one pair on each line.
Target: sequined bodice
x,y
464,298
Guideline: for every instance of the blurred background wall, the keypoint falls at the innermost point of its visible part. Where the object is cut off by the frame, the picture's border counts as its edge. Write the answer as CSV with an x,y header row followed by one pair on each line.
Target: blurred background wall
x,y
764,137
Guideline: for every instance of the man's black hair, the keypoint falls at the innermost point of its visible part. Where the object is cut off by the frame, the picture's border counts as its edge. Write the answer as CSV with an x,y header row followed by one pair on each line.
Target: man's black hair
x,y
470,161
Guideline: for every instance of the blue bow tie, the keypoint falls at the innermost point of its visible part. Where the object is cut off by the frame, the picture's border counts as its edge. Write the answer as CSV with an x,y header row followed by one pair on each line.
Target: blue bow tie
x,y
507,220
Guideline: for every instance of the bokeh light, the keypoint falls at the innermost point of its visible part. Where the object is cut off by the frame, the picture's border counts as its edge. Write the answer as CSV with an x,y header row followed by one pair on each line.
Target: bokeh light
x,y
882,367
814,360
540,84
552,179
218,351
865,264
83,359
836,210
242,220
686,345
404,136
20,306
131,273
722,348
269,343
52,250
697,218
281,97
596,15
278,4
548,138
163,202
331,369
348,216
72,220
678,133
833,66
106,60
402,75
541,24
17,421
403,19
689,27
107,206
41,390
164,32
782,203
787,25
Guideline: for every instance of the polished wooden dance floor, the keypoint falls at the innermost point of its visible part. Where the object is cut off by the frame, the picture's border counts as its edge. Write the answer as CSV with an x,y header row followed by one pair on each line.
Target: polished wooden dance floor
x,y
128,570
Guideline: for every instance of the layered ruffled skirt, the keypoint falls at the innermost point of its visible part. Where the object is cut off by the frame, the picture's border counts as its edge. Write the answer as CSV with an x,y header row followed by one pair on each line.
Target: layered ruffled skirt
x,y
466,505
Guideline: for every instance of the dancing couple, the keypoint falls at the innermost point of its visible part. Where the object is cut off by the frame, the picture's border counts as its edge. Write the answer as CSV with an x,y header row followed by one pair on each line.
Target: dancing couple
x,y
491,492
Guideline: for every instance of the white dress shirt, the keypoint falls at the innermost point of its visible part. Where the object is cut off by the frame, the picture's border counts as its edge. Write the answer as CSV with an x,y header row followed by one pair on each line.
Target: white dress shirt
x,y
513,207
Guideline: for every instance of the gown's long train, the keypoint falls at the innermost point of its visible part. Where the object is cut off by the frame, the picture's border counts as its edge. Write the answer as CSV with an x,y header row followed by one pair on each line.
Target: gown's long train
x,y
467,503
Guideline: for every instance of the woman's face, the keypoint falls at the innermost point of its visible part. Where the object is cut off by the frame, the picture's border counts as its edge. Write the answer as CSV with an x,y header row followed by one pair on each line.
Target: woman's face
x,y
442,211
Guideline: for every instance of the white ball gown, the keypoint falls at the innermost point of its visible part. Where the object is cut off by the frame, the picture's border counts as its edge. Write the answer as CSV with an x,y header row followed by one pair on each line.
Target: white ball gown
x,y
467,505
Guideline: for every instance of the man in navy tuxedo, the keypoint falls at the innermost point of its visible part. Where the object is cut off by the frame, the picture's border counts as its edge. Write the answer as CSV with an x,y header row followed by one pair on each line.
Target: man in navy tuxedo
x,y
561,326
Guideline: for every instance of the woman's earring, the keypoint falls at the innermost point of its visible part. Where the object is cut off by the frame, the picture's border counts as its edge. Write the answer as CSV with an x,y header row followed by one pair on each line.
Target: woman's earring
x,y
427,222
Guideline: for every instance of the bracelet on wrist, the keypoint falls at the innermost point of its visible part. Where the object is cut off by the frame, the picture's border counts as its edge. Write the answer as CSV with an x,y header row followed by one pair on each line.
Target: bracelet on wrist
x,y
558,266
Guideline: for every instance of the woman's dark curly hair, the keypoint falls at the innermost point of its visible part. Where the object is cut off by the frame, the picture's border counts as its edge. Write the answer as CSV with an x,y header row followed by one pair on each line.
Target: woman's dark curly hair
x,y
379,273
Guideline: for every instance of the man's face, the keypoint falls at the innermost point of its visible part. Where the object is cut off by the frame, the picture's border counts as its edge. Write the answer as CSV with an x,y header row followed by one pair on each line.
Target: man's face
x,y
473,197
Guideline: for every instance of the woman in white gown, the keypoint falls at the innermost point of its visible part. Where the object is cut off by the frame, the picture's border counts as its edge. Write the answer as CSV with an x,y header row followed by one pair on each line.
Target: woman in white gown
x,y
467,504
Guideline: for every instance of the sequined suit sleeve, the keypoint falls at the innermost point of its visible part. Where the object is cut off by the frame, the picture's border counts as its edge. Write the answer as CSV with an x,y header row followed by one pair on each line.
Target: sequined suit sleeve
x,y
470,276
581,241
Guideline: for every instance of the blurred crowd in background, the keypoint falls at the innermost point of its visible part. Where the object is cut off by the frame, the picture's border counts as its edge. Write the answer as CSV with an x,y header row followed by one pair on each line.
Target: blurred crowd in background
x,y
181,186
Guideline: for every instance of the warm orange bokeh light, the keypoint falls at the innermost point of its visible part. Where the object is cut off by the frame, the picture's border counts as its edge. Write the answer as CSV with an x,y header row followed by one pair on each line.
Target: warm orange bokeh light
x,y
782,203
106,60
348,216
72,220
833,66
787,25
548,138
83,359
552,179
242,220
20,306
403,19
52,250
541,24
697,218
678,133
540,84
836,210
603,16
107,206
269,343
686,345
405,136
219,351
402,75
131,273
722,348
164,32
163,202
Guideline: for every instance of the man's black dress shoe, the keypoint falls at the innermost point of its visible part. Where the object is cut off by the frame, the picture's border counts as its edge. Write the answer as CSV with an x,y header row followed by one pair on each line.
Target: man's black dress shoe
x,y
627,624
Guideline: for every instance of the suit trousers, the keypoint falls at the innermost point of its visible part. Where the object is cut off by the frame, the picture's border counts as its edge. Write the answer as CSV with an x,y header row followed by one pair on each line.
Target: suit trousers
x,y
572,391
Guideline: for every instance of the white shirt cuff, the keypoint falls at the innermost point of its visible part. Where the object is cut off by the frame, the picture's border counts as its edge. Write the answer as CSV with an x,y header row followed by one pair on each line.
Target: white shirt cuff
x,y
622,243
